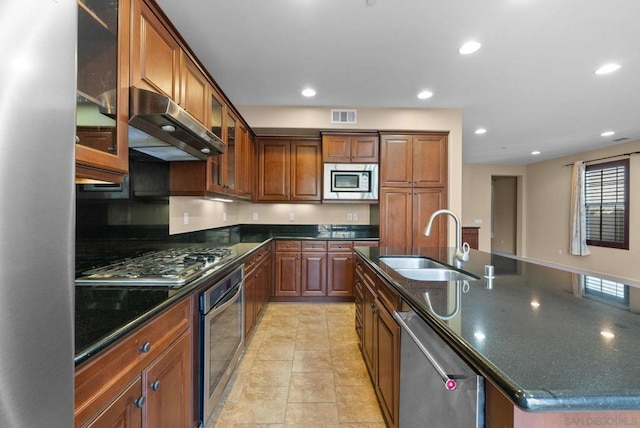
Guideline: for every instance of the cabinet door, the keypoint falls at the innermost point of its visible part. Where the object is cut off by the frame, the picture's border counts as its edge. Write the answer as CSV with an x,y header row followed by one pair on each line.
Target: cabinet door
x,y
287,274
250,283
103,84
387,374
336,148
194,90
155,54
306,170
396,225
425,202
430,160
168,386
314,274
396,161
368,326
340,274
364,149
125,411
274,160
244,162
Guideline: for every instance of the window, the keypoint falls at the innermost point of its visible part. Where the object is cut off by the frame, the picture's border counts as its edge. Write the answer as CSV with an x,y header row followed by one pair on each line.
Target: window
x,y
607,204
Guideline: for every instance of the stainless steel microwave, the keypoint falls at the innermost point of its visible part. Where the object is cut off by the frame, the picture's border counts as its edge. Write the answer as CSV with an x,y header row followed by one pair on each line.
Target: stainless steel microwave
x,y
350,182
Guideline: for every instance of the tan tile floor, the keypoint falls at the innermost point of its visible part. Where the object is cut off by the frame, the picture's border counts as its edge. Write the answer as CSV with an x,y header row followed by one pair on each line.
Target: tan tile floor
x,y
301,368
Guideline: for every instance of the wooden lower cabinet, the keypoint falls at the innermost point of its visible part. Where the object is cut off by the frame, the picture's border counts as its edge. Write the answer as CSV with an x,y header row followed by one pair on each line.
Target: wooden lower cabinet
x,y
257,286
313,281
124,411
387,356
168,403
316,268
340,274
143,380
379,339
287,278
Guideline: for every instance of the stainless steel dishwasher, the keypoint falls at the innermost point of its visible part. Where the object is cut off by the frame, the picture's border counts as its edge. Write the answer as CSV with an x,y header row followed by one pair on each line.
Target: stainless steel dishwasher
x,y
437,388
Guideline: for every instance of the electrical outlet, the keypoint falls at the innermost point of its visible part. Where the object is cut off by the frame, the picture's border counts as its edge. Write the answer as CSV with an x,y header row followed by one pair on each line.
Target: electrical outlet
x,y
185,218
355,216
255,216
478,221
224,216
291,217
349,217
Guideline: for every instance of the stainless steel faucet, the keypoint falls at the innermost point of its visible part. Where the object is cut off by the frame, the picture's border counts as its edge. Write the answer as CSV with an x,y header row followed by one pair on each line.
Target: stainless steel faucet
x,y
462,250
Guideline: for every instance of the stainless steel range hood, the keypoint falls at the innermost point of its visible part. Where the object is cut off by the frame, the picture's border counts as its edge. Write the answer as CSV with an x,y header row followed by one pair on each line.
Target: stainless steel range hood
x,y
169,132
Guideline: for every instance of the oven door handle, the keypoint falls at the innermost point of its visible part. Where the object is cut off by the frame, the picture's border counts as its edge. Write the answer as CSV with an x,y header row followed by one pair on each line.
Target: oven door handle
x,y
216,310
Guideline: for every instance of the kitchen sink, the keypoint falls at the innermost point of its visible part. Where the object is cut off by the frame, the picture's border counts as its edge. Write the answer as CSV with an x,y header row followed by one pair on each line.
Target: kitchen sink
x,y
400,262
435,274
425,269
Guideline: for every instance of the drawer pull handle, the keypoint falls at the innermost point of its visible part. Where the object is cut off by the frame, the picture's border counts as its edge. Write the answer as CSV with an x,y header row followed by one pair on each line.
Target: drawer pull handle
x,y
139,402
146,347
155,385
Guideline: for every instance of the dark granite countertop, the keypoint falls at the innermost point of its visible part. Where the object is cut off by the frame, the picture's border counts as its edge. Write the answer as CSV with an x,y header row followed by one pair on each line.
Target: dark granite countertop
x,y
106,314
536,332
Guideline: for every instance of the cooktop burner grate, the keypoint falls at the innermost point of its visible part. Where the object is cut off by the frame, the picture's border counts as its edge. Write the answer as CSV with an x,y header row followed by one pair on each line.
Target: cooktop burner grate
x,y
173,267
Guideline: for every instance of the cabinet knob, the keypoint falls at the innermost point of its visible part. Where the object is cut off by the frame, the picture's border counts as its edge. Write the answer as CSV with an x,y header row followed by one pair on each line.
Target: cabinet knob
x,y
146,347
155,385
139,402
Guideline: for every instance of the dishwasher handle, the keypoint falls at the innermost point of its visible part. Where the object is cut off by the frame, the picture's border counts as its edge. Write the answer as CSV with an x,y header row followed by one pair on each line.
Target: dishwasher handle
x,y
449,382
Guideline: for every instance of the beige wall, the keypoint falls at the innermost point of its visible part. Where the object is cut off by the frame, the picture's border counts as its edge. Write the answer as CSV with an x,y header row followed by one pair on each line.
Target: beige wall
x,y
204,214
476,200
548,201
545,193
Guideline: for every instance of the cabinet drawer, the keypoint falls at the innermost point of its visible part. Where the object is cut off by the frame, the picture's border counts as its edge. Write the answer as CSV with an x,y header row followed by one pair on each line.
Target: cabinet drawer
x,y
314,245
108,373
340,245
388,296
288,246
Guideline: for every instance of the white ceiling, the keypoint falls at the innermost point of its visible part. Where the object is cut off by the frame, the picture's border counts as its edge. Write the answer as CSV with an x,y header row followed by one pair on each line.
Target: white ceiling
x,y
531,85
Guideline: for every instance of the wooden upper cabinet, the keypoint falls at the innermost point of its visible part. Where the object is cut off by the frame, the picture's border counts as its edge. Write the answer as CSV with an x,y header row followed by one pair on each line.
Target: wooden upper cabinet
x,y
274,160
102,109
289,170
430,160
414,160
397,160
155,54
338,148
194,90
306,171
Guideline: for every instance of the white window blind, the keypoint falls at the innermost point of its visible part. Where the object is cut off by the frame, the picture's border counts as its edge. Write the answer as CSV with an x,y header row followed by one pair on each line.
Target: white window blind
x,y
607,205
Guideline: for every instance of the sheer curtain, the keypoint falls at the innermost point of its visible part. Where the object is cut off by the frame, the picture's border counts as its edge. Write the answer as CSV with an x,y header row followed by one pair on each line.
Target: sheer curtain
x,y
578,212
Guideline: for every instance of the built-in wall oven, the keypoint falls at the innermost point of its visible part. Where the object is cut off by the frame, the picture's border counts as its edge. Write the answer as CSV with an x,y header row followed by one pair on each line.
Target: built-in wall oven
x,y
221,338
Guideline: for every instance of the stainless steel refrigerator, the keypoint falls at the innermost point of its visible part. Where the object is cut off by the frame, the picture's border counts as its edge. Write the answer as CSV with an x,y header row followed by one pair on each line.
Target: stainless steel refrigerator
x,y
37,130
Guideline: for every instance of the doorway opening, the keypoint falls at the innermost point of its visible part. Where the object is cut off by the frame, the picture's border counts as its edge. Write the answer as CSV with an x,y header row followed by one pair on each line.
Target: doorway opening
x,y
506,215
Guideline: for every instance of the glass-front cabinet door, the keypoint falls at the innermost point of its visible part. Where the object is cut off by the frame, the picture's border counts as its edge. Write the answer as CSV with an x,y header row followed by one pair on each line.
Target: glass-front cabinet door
x,y
102,90
230,154
216,170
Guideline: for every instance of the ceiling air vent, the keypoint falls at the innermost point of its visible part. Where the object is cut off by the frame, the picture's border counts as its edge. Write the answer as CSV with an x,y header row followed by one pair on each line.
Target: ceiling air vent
x,y
344,116
621,139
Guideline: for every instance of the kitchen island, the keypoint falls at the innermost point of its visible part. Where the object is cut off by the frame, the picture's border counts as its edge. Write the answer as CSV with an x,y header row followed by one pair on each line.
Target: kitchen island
x,y
562,352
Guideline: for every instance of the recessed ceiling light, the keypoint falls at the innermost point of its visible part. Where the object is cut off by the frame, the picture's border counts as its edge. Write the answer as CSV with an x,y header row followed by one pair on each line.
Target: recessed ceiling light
x,y
481,131
308,92
607,68
425,94
469,48
535,153
607,134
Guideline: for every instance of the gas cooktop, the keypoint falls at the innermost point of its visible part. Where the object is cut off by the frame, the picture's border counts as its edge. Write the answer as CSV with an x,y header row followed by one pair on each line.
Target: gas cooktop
x,y
174,267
